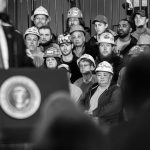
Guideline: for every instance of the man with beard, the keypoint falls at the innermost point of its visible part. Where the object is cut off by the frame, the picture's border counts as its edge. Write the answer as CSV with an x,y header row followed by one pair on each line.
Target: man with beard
x,y
40,17
68,57
47,38
141,20
86,65
125,41
106,53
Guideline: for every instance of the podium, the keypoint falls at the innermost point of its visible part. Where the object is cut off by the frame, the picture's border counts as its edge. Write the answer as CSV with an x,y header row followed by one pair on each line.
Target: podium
x,y
22,94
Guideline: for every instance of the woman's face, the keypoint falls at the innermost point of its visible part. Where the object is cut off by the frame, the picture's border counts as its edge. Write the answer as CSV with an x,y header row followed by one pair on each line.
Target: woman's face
x,y
103,78
51,62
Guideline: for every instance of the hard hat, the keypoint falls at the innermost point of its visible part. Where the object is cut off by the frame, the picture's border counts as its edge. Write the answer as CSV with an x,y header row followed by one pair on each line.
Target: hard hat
x,y
40,11
100,18
77,28
144,39
32,30
106,37
142,13
64,66
135,50
51,52
64,38
105,67
74,12
86,56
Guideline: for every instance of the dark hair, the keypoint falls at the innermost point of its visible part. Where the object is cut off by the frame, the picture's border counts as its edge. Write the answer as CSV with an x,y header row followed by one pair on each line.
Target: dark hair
x,y
136,81
46,27
129,22
57,59
49,28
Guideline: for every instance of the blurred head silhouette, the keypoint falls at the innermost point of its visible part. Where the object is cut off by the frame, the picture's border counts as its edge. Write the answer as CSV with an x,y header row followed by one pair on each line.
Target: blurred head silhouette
x,y
136,84
63,126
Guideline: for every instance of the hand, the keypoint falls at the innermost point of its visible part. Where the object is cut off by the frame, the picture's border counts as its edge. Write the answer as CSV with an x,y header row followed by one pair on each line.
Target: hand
x,y
38,61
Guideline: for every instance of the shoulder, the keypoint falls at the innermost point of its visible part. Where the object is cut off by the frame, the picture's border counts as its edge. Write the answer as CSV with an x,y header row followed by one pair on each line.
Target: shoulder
x,y
78,82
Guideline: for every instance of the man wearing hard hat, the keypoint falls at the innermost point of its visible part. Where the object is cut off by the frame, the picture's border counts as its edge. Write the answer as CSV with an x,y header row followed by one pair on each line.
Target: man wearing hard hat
x,y
40,17
102,101
74,17
32,38
86,65
79,40
68,57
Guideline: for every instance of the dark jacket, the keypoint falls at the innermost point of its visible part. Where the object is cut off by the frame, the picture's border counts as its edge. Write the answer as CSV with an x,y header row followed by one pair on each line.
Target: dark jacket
x,y
16,49
109,108
132,43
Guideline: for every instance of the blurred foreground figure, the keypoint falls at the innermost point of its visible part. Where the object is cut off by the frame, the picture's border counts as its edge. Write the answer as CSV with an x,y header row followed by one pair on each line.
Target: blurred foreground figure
x,y
64,127
12,47
134,134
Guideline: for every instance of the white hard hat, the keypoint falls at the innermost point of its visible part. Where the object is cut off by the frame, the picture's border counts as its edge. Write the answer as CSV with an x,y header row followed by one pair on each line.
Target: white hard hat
x,y
77,28
144,39
74,12
105,67
32,30
86,56
51,52
64,38
40,11
135,50
106,37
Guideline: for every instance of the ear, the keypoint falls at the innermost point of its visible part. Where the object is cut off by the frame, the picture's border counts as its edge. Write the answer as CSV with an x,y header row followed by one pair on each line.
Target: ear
x,y
111,76
71,46
106,26
92,68
130,30
47,21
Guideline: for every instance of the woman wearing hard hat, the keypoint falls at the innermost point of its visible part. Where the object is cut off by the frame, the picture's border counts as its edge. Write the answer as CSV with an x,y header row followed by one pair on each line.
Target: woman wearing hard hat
x,y
102,101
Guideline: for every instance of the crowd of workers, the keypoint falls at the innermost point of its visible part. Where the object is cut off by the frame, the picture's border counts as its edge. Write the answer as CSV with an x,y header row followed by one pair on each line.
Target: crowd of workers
x,y
108,76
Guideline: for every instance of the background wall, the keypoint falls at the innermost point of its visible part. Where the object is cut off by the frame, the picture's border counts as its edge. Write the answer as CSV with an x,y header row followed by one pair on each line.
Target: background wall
x,y
20,12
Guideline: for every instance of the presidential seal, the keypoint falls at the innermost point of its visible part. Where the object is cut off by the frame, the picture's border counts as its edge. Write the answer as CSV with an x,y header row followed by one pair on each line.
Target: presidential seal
x,y
20,97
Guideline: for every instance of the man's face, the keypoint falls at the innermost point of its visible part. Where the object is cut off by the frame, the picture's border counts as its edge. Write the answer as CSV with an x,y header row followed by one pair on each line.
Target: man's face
x,y
103,78
2,5
140,21
66,48
45,35
73,21
78,38
123,29
32,42
40,20
100,27
51,62
105,49
85,67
